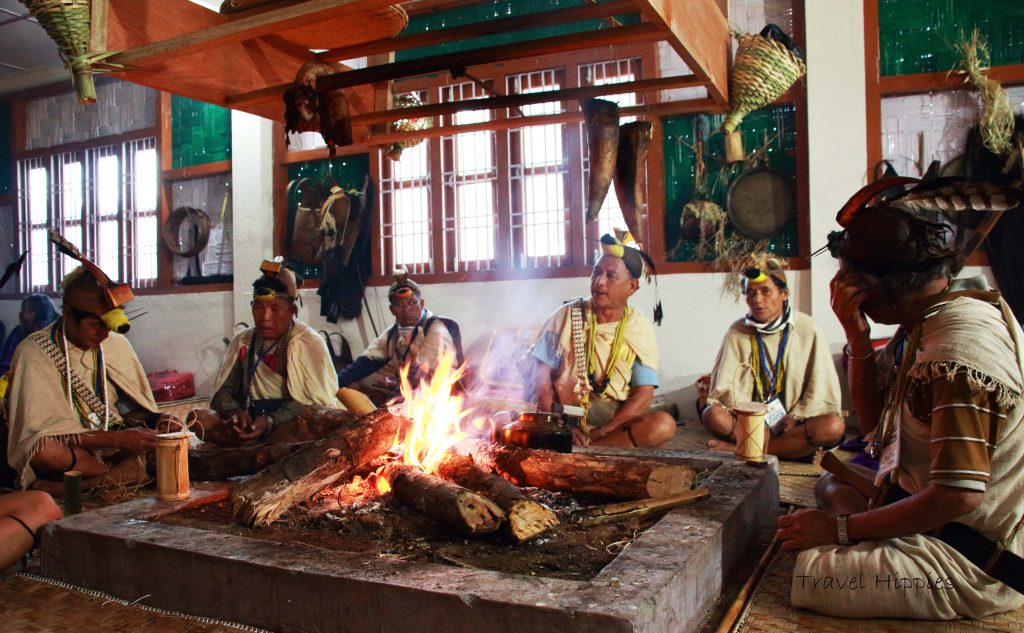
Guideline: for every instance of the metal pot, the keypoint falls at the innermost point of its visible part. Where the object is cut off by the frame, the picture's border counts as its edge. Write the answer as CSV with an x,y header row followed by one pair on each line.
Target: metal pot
x,y
534,429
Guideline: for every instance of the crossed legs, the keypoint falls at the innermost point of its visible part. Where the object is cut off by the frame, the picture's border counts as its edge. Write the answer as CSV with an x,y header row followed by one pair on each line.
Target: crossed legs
x,y
21,515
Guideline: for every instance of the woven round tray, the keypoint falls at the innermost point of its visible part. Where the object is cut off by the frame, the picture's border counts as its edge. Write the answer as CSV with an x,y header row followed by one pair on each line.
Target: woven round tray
x,y
171,231
761,202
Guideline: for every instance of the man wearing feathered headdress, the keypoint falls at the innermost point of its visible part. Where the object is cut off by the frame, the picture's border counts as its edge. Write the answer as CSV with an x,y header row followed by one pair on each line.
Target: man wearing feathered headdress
x,y
939,535
779,357
78,396
601,353
417,340
272,371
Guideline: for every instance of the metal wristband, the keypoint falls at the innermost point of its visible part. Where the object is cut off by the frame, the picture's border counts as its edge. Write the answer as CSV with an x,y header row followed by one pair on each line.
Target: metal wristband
x,y
270,423
842,535
846,350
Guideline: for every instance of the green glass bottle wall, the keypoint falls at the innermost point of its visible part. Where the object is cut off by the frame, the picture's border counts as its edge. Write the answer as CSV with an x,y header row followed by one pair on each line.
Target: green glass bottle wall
x,y
200,132
917,36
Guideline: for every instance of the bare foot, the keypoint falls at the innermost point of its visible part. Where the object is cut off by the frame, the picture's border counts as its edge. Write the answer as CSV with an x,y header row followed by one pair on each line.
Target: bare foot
x,y
721,446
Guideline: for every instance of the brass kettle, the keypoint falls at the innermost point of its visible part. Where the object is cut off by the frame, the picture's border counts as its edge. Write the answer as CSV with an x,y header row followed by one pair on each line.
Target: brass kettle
x,y
536,429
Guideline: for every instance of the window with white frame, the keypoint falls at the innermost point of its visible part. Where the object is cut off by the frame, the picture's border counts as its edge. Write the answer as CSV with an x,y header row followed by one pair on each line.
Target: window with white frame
x,y
405,230
537,178
103,199
599,74
469,173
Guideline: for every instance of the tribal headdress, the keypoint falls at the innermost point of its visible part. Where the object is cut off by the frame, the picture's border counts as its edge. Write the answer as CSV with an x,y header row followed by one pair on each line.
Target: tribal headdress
x,y
887,233
759,267
89,289
278,282
639,263
403,288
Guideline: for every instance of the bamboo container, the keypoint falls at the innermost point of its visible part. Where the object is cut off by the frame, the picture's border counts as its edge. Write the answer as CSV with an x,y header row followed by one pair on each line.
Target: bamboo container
x,y
750,430
172,466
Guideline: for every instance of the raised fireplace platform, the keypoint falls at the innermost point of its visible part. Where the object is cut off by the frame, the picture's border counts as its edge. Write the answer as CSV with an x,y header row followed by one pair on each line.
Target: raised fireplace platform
x,y
666,580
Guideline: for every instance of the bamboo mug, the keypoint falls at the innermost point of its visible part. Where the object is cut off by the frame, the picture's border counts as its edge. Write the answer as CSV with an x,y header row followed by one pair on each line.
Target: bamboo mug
x,y
750,430
172,466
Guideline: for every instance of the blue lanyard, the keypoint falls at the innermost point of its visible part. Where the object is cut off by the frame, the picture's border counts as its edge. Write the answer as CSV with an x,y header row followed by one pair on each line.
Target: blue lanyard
x,y
259,358
770,373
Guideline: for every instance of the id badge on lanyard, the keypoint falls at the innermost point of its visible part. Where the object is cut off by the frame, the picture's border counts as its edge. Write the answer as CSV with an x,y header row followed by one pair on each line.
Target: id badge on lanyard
x,y
890,459
775,415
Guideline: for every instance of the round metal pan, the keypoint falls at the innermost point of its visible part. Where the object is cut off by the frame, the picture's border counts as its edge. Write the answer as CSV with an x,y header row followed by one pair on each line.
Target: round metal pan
x,y
761,202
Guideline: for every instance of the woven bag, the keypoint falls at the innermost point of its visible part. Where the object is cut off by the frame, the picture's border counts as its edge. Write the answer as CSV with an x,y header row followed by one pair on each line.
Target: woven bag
x,y
763,71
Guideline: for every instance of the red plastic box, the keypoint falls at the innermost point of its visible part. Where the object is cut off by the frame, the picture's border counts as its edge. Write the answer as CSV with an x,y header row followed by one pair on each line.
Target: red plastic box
x,y
171,385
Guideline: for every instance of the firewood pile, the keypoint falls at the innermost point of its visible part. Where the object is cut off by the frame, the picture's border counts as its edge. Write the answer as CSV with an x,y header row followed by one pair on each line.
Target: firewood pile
x,y
475,489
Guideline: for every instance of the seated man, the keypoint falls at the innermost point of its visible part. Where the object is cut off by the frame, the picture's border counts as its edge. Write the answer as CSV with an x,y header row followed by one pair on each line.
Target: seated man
x,y
417,339
942,535
777,356
25,512
615,377
76,390
272,371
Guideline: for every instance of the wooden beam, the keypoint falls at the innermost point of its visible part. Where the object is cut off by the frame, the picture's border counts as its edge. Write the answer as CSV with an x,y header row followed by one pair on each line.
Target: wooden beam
x,y
478,29
512,101
650,111
699,33
917,83
245,28
488,55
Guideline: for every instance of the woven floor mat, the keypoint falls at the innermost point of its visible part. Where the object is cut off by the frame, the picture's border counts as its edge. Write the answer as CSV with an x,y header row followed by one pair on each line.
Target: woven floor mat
x,y
30,605
770,612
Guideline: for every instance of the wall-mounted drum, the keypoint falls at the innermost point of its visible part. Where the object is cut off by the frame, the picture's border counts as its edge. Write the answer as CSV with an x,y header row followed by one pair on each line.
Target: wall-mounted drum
x,y
761,202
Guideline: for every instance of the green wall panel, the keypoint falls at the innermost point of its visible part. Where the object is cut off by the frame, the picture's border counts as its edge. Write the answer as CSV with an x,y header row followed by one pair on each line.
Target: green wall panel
x,y
777,124
348,171
917,36
498,9
200,132
6,159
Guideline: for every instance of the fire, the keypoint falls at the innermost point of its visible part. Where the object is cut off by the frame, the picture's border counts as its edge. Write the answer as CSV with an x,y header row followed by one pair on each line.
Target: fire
x,y
436,413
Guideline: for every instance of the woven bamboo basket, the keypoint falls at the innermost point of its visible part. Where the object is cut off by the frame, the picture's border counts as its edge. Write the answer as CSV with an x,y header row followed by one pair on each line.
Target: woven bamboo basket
x,y
763,71
394,150
67,23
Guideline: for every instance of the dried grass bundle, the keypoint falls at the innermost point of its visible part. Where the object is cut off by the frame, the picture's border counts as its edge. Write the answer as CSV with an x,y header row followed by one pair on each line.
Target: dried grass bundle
x,y
996,124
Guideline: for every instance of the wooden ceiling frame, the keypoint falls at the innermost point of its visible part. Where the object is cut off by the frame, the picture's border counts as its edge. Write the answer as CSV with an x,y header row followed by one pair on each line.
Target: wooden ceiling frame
x,y
197,53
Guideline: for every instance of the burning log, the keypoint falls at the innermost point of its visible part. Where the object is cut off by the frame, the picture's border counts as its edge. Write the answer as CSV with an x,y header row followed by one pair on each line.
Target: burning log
x,y
217,464
527,519
449,503
606,475
260,499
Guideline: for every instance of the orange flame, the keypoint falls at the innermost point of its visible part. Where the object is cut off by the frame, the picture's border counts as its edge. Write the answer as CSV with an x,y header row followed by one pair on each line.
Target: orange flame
x,y
437,415
383,485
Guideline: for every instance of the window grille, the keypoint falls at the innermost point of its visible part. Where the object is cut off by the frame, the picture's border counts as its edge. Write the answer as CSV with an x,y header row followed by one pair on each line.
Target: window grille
x,y
102,199
538,170
469,176
405,230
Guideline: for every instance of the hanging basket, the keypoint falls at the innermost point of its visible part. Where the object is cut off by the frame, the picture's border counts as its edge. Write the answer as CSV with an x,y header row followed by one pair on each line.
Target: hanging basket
x,y
394,150
763,70
67,24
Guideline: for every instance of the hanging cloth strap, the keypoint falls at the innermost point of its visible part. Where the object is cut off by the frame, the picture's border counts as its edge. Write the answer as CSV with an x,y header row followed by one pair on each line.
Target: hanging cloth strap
x,y
104,415
772,375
